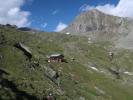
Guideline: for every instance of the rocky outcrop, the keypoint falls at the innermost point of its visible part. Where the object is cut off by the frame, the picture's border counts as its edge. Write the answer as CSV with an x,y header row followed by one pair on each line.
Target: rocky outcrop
x,y
24,48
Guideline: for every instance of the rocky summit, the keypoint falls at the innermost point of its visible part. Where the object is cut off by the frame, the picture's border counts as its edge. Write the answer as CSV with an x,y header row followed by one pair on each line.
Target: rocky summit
x,y
103,27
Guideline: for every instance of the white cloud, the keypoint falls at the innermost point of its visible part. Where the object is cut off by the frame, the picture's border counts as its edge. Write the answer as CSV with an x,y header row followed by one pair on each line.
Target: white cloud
x,y
123,9
55,12
44,25
11,13
86,7
60,27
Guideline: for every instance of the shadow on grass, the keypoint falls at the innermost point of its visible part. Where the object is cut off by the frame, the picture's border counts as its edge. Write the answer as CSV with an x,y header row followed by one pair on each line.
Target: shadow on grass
x,y
19,95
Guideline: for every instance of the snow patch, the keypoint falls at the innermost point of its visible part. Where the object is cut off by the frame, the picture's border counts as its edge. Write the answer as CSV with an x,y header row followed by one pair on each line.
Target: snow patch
x,y
128,73
67,33
94,68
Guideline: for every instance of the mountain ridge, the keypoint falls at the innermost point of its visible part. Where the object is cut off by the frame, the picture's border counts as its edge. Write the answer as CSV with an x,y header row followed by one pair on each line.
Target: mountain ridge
x,y
100,26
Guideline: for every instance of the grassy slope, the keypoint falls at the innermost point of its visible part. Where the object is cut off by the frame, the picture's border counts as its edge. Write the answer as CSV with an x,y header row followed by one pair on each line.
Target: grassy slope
x,y
76,79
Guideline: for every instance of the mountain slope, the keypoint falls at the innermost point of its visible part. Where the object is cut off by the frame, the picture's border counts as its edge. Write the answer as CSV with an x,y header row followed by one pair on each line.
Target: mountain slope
x,y
88,74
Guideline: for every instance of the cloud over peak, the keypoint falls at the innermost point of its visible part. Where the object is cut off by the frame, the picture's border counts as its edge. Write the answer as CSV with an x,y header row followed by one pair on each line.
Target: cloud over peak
x,y
123,9
60,27
11,13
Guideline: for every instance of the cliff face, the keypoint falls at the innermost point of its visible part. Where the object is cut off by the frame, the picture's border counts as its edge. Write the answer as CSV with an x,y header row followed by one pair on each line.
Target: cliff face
x,y
99,26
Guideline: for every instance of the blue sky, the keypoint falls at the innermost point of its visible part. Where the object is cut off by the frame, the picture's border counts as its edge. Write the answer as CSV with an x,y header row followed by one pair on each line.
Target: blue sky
x,y
47,14
55,15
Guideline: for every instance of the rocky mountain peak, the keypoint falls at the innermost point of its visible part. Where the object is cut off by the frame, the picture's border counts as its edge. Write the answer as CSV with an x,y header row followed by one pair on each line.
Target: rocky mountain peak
x,y
98,25
103,27
92,20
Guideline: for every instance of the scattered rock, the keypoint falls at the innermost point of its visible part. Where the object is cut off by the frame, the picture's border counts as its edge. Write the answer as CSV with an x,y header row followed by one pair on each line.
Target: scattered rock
x,y
52,75
99,90
60,91
24,48
115,72
111,55
81,98
73,59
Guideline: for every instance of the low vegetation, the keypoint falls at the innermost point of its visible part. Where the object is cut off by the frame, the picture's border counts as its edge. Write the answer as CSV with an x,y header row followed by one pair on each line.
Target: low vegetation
x,y
22,78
